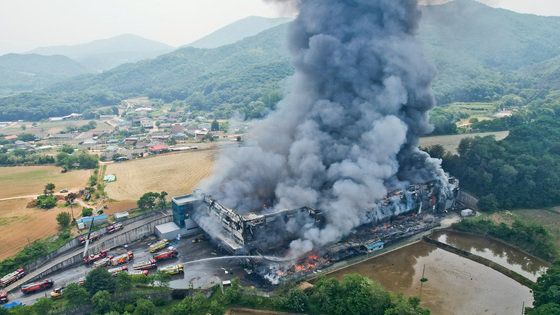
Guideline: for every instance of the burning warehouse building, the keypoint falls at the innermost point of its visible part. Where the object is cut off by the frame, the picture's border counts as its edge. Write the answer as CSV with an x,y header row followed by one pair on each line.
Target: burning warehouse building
x,y
268,230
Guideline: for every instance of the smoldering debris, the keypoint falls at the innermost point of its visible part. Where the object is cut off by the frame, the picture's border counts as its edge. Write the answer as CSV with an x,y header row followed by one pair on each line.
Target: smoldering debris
x,y
347,131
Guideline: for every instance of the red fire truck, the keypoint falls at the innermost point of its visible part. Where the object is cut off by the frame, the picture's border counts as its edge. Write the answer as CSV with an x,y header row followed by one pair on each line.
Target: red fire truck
x,y
122,259
116,271
145,265
91,258
37,286
12,277
115,227
102,262
93,237
169,254
3,297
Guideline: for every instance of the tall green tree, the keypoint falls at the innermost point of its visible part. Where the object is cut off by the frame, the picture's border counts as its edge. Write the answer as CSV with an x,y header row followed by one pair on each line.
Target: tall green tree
x,y
76,295
99,279
63,219
102,302
144,307
49,189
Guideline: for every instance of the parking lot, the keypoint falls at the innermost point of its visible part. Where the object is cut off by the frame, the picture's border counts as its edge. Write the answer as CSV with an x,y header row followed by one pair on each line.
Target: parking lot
x,y
197,274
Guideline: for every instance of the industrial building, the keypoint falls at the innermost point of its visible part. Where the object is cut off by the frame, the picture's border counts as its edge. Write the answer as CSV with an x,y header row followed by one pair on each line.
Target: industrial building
x,y
266,231
182,224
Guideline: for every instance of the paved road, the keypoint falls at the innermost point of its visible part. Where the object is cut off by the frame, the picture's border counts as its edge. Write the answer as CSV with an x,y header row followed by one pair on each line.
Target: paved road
x,y
79,250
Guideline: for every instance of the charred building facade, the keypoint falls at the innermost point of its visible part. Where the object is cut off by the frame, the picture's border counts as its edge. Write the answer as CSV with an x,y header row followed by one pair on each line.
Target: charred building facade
x,y
271,230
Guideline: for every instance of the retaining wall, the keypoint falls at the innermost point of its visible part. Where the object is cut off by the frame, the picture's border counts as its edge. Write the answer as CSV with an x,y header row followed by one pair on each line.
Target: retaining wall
x,y
74,243
116,241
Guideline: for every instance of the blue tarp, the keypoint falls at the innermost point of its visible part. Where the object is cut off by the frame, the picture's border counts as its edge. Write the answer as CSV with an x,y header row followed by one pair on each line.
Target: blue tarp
x,y
13,304
378,245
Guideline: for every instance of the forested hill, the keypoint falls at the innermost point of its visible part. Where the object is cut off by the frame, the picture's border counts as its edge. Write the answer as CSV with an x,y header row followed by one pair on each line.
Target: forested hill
x,y
27,71
481,53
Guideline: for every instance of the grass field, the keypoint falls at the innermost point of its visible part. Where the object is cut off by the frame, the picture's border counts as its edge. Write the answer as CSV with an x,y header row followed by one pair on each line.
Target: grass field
x,y
30,180
451,142
19,224
480,111
177,174
550,218
52,127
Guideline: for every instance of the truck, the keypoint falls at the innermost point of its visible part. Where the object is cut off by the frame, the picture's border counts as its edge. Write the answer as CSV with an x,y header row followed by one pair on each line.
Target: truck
x,y
158,245
169,254
138,272
116,271
57,293
173,270
3,297
102,262
95,257
37,286
12,277
114,228
122,259
93,237
145,265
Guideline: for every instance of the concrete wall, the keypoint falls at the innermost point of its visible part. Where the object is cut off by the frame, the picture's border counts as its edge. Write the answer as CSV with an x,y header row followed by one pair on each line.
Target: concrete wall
x,y
74,243
113,242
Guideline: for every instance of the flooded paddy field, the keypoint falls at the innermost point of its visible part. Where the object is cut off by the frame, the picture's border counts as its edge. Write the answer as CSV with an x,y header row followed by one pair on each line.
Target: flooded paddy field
x,y
498,252
455,285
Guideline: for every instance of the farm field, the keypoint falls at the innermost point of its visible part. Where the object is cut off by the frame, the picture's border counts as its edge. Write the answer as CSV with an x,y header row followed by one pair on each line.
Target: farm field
x,y
52,127
177,174
20,224
451,142
30,180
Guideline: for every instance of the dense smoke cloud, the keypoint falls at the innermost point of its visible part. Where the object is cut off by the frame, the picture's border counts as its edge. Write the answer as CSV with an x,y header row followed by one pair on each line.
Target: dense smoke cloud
x,y
348,127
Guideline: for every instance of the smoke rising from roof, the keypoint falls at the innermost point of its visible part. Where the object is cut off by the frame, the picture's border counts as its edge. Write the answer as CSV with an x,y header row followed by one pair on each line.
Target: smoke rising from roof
x,y
348,127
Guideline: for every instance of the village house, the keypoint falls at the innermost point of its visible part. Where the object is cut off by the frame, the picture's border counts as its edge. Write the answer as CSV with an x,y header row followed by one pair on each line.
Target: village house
x,y
158,149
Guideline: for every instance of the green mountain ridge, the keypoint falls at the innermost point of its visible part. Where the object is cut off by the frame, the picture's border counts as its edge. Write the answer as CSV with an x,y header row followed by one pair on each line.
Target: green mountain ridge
x,y
20,72
481,54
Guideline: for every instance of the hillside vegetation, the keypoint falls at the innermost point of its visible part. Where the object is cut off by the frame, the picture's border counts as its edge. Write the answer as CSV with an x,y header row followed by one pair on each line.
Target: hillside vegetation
x,y
481,54
26,72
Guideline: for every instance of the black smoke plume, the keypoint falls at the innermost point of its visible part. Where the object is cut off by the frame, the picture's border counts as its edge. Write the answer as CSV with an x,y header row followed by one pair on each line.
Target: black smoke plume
x,y
347,130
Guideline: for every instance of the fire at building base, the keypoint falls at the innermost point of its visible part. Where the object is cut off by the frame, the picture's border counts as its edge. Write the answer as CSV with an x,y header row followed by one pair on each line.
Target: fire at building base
x,y
402,214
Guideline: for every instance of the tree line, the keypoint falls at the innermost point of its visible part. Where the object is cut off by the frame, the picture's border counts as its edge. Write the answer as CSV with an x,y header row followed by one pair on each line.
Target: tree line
x,y
522,170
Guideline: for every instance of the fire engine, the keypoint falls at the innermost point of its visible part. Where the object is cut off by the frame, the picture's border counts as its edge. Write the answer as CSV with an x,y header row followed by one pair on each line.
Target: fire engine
x,y
138,272
37,286
145,265
173,270
91,258
170,254
3,297
93,237
122,259
12,277
102,262
116,271
158,245
115,227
